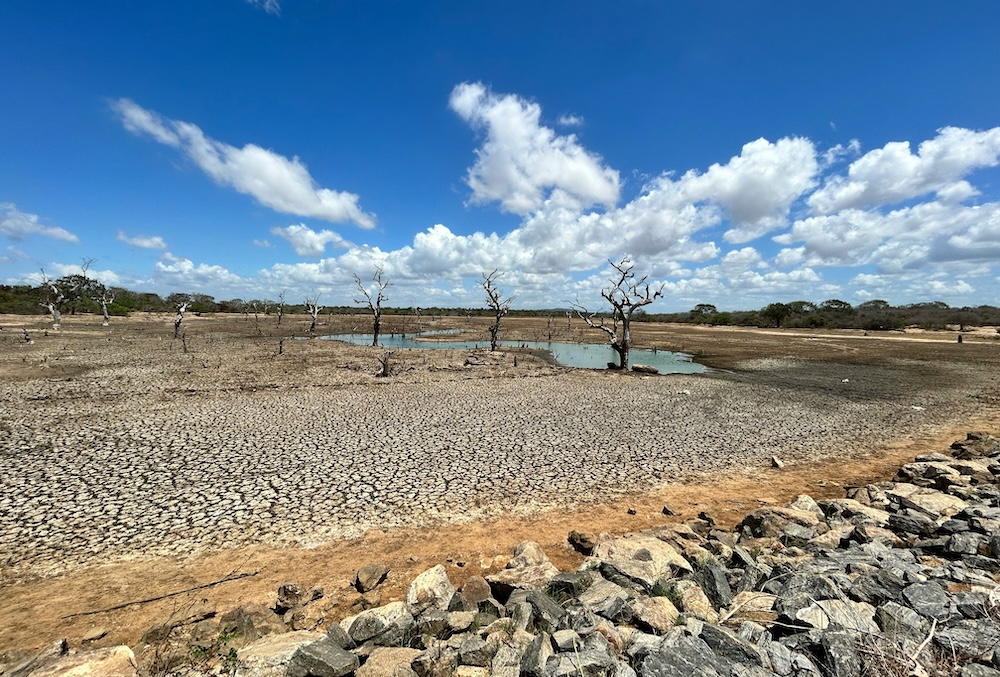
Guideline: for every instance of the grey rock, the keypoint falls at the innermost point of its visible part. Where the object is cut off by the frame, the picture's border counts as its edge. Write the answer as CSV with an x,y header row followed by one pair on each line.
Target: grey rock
x,y
386,625
840,655
536,655
290,595
605,598
506,662
972,604
897,620
435,623
370,575
389,662
969,637
680,655
977,670
475,651
928,600
728,644
586,663
322,658
654,613
712,578
339,637
912,524
966,543
640,645
569,584
521,613
430,590
547,613
527,554
566,640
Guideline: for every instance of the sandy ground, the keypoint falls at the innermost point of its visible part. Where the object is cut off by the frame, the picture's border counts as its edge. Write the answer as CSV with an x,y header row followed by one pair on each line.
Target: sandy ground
x,y
929,390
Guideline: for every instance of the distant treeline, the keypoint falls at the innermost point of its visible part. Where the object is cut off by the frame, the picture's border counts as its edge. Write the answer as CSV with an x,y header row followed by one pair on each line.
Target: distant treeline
x,y
836,314
833,313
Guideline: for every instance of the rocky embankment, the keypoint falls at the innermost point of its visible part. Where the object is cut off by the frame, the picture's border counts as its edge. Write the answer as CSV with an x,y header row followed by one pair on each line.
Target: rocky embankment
x,y
896,578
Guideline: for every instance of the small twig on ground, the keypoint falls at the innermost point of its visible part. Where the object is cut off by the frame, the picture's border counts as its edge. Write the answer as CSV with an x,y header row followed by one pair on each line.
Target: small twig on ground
x,y
923,644
226,579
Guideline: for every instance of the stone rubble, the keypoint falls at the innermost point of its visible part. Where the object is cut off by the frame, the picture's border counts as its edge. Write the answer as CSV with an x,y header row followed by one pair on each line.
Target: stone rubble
x,y
896,578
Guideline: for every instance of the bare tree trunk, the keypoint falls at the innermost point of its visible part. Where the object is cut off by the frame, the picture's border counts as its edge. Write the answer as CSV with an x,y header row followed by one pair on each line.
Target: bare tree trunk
x,y
374,303
55,313
181,309
384,361
312,305
499,305
625,295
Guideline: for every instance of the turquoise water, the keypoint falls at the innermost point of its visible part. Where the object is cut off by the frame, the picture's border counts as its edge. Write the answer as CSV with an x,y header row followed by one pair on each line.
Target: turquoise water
x,y
579,355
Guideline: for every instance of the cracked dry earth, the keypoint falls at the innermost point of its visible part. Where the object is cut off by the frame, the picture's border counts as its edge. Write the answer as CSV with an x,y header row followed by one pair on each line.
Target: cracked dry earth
x,y
117,445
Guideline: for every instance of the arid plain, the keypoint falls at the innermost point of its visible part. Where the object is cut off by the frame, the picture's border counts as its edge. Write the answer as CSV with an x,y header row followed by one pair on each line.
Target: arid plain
x,y
134,464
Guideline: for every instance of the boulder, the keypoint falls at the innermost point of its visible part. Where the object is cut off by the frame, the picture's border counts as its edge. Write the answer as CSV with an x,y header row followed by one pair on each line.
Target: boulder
x,y
655,613
475,590
639,559
928,600
854,616
681,655
582,542
384,625
370,575
504,582
757,607
290,595
389,662
527,554
322,658
771,521
430,590
269,656
692,600
115,661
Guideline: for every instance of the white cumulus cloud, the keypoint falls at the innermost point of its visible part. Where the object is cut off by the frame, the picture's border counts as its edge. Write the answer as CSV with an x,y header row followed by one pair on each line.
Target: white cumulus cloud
x,y
142,241
18,225
307,242
275,181
893,173
176,273
522,164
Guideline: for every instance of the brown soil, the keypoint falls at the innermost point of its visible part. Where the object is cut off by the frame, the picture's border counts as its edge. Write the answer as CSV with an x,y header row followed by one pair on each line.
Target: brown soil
x,y
37,612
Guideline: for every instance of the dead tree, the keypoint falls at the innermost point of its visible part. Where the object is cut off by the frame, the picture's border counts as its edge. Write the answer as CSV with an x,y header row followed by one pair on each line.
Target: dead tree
x,y
181,309
625,294
313,308
281,306
374,299
56,298
497,303
105,298
61,291
384,371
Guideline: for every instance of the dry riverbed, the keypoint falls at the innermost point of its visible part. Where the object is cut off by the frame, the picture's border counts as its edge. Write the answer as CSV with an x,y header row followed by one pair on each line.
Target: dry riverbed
x,y
134,465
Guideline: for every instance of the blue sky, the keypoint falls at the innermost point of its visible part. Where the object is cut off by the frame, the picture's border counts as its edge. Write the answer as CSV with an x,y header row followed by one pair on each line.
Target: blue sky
x,y
739,152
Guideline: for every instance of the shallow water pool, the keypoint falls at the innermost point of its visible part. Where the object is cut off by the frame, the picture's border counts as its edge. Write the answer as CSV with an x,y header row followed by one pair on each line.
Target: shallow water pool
x,y
578,355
